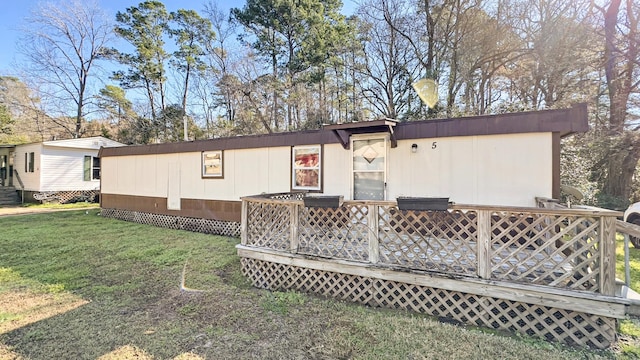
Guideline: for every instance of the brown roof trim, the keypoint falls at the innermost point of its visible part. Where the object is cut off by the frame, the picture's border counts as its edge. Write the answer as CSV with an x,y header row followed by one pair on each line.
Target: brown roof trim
x,y
562,121
239,142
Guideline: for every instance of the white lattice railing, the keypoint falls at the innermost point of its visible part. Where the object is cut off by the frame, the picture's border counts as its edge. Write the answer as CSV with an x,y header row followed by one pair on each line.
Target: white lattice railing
x,y
562,248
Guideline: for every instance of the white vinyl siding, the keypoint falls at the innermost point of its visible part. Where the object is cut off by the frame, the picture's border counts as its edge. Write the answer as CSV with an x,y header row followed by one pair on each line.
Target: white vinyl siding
x,y
30,179
63,170
59,165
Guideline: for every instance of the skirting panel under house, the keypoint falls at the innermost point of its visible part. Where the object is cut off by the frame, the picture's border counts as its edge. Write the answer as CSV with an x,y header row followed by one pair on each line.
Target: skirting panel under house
x,y
206,226
553,324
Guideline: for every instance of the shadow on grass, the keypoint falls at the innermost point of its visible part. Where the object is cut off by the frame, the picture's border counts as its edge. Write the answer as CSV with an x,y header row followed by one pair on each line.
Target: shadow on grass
x,y
158,321
24,302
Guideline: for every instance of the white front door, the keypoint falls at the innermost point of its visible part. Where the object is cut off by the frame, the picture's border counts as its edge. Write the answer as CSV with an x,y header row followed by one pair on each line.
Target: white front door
x,y
369,175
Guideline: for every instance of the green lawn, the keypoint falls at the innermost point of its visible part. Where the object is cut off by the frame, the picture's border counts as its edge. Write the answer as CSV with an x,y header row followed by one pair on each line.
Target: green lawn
x,y
74,285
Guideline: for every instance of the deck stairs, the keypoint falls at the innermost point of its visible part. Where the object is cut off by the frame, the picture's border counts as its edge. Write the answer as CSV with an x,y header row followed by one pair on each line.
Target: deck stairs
x,y
9,196
624,291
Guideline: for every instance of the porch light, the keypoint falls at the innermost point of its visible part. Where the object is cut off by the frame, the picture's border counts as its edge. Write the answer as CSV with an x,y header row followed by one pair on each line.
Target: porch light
x,y
414,148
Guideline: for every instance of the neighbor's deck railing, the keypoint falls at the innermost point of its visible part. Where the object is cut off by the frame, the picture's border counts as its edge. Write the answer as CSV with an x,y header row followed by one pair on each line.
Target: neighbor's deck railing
x,y
563,248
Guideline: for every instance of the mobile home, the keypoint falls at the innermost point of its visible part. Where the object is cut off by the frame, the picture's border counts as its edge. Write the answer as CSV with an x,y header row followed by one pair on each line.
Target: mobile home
x,y
506,159
66,168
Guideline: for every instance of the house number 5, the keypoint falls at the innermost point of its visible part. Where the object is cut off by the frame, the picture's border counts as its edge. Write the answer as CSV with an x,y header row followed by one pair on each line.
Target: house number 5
x,y
434,145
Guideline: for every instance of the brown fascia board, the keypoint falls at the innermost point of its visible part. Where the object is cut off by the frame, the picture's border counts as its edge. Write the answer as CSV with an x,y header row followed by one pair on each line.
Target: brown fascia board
x,y
562,121
230,143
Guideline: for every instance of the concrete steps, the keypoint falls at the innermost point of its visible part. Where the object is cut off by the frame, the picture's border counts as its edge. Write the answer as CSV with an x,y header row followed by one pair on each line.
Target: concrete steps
x,y
9,196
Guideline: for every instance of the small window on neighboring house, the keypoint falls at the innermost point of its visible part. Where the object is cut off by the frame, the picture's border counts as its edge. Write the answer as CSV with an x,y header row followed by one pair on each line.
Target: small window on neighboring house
x,y
96,168
29,162
91,168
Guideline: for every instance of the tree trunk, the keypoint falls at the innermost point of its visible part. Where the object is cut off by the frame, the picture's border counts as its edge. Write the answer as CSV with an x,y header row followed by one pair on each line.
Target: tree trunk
x,y
621,166
618,105
184,103
622,158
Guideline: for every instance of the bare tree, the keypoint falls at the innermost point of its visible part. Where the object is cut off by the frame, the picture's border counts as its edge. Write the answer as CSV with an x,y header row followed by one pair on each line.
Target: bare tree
x,y
622,72
220,57
388,64
61,43
559,60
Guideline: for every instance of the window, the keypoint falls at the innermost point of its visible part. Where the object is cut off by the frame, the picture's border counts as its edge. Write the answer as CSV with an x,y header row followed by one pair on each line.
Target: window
x,y
96,168
306,168
369,168
91,168
212,164
29,162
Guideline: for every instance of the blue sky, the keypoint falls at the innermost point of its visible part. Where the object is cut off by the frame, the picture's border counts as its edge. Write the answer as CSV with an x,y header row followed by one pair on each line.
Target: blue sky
x,y
14,11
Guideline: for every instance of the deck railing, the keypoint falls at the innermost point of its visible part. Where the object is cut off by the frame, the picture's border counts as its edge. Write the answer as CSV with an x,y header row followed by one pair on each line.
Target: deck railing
x,y
625,229
545,272
571,249
17,176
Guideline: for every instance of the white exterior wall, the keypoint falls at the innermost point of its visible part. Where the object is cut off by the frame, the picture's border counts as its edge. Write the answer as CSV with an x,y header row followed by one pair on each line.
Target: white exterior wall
x,y
487,170
62,169
337,170
59,164
246,172
30,180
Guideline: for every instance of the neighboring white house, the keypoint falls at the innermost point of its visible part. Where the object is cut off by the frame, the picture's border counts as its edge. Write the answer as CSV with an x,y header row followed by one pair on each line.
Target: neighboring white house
x,y
59,165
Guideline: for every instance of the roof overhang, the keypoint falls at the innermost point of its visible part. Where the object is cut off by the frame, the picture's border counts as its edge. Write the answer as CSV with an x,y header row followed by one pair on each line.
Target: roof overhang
x,y
344,131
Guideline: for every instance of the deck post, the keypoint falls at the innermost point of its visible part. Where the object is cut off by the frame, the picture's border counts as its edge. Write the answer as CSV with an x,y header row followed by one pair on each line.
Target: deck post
x,y
627,270
244,221
608,255
372,224
293,212
484,244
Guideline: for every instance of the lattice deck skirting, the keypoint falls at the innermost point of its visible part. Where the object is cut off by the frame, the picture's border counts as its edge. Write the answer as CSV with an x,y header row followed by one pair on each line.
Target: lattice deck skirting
x,y
552,324
65,197
206,226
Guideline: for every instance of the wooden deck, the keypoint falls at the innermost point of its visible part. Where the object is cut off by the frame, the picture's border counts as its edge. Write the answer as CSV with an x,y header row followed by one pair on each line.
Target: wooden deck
x,y
543,272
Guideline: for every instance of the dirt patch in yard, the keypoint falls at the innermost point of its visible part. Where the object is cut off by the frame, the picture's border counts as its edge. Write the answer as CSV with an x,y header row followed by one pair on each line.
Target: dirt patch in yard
x,y
30,210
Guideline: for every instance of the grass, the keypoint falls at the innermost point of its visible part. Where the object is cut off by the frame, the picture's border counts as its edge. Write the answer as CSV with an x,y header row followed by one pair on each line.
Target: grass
x,y
75,285
77,205
629,329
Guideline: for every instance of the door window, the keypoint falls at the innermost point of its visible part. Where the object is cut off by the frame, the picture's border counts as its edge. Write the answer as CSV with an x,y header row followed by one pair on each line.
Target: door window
x,y
369,168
